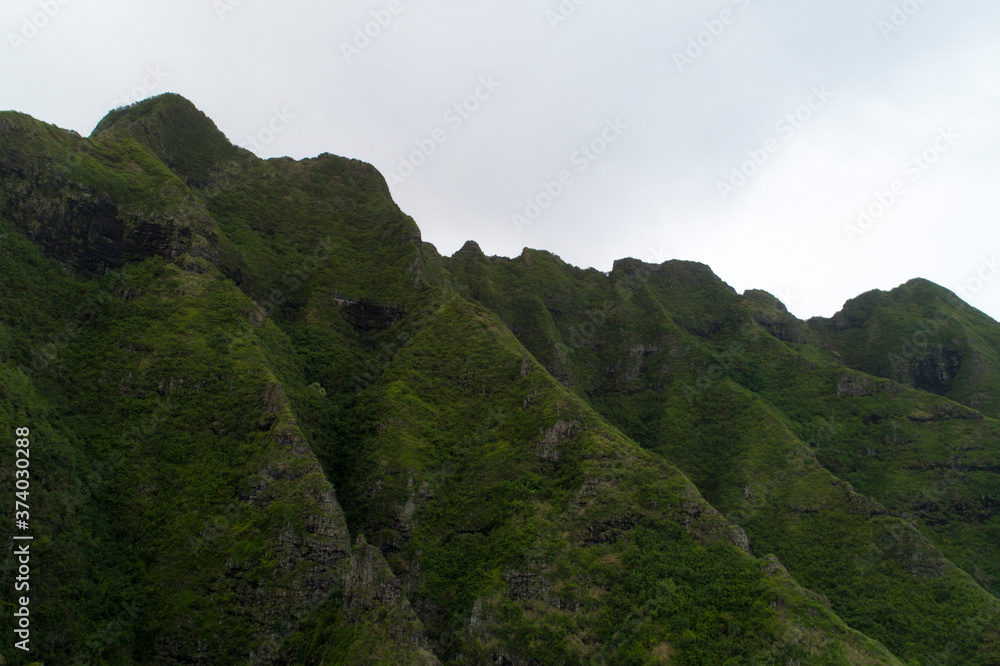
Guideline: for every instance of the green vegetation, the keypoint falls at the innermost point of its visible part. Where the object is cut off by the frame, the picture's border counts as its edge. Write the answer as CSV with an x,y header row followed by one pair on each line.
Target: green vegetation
x,y
271,425
922,336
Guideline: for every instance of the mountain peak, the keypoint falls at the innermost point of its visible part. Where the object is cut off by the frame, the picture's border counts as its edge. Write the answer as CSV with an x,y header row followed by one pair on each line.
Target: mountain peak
x,y
168,105
471,247
767,299
919,295
180,134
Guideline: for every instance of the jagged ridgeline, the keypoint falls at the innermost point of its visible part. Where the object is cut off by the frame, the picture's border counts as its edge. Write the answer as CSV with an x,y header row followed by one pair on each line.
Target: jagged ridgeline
x,y
270,425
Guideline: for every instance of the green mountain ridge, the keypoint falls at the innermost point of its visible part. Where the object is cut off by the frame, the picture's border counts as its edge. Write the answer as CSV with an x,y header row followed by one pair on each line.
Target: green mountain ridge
x,y
272,425
922,336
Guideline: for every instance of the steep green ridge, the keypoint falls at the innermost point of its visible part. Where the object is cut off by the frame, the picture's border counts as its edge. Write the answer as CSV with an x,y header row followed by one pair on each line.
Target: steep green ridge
x,y
732,389
923,336
543,535
273,426
178,498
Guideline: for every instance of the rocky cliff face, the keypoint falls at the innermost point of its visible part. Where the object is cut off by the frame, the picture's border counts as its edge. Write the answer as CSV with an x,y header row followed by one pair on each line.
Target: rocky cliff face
x,y
373,595
79,222
366,315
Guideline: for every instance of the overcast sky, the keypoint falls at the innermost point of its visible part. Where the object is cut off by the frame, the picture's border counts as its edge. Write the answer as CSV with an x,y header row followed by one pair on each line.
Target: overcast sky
x,y
746,134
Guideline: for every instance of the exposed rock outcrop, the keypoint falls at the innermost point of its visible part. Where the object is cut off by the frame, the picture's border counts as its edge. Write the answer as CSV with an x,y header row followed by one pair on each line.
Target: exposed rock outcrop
x,y
93,228
366,315
374,597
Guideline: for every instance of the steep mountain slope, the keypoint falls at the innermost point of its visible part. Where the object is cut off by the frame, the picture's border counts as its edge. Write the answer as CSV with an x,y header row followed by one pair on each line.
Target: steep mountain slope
x,y
565,541
738,395
922,336
179,499
273,426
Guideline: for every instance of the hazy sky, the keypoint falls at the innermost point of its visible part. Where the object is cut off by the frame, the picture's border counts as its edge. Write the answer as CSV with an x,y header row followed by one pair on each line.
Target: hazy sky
x,y
746,134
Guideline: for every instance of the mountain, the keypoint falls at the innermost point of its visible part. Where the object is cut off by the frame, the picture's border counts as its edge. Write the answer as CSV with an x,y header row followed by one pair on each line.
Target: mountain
x,y
269,424
921,336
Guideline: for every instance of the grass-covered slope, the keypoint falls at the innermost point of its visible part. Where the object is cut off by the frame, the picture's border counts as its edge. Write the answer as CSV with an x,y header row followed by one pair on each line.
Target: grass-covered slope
x,y
194,522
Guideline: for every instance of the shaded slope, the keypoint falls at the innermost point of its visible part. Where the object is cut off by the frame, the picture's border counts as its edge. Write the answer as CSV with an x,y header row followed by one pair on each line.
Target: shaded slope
x,y
95,205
